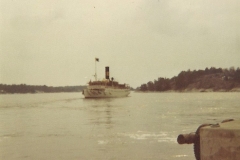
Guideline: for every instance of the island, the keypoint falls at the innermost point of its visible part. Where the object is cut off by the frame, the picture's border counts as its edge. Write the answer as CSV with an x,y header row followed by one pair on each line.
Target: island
x,y
23,88
208,80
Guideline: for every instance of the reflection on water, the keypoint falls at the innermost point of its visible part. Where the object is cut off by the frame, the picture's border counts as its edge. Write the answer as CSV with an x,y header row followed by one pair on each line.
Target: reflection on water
x,y
143,126
100,111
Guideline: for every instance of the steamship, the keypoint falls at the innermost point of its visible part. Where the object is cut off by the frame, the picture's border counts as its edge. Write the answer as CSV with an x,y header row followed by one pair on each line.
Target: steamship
x,y
107,88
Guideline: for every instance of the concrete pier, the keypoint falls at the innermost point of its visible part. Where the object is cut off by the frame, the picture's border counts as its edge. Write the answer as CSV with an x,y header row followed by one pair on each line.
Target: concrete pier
x,y
220,141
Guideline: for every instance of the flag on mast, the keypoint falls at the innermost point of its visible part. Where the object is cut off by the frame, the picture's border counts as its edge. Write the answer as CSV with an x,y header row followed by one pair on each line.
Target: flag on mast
x,y
97,59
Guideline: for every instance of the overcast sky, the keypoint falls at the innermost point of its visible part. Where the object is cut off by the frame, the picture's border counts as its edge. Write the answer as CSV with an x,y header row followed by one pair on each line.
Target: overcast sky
x,y
55,42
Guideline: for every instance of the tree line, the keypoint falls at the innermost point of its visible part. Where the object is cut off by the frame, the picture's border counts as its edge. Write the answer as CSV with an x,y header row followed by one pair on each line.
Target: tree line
x,y
23,88
210,78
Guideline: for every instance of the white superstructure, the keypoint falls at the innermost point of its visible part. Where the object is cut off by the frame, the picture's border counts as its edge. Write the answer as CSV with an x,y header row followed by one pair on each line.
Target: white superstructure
x,y
106,89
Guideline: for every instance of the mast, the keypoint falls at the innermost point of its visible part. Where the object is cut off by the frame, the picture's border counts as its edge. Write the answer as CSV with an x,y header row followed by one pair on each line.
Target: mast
x,y
96,60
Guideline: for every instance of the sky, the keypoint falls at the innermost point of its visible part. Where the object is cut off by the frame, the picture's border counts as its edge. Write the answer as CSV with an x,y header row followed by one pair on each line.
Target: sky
x,y
55,42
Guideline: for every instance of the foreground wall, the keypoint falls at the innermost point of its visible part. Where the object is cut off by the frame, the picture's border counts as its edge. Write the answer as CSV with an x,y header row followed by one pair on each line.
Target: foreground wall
x,y
221,141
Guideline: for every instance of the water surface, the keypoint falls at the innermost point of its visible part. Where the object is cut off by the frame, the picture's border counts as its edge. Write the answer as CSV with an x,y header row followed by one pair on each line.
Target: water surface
x,y
141,126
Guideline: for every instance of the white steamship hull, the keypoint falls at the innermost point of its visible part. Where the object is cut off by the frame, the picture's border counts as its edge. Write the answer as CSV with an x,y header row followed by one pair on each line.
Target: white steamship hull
x,y
105,93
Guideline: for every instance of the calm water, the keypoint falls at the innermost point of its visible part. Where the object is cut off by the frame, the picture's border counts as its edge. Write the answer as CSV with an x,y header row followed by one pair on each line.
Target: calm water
x,y
143,126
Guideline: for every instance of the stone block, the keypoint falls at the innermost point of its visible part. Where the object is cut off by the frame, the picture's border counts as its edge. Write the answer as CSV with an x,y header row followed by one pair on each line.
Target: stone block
x,y
220,142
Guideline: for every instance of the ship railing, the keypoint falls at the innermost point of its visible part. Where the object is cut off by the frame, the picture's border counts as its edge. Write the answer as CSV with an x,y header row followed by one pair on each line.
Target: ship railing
x,y
96,87
102,86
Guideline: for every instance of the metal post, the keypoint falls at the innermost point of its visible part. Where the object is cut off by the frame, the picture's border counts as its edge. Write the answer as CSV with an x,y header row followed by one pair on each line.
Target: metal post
x,y
95,70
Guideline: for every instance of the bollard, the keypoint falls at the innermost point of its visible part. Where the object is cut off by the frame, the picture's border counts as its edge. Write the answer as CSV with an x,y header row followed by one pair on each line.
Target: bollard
x,y
209,141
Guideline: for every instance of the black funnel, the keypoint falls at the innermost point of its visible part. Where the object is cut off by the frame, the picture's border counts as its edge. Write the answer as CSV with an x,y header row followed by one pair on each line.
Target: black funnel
x,y
107,72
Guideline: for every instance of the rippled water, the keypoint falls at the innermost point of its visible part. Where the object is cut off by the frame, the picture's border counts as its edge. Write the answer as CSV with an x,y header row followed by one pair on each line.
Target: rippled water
x,y
142,126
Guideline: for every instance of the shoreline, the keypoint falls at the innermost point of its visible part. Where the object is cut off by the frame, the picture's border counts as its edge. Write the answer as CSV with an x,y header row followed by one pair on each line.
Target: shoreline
x,y
41,92
192,91
138,91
